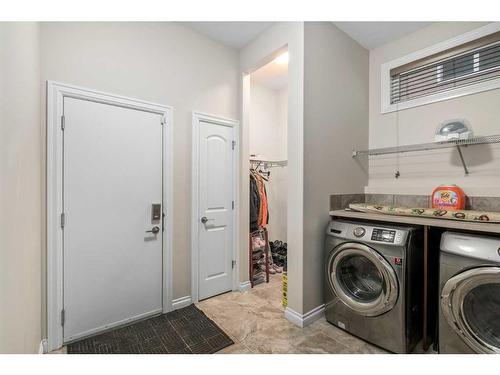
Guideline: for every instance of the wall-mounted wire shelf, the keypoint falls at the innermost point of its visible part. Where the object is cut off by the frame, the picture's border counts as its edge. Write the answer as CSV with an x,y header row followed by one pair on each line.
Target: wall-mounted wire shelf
x,y
256,163
458,143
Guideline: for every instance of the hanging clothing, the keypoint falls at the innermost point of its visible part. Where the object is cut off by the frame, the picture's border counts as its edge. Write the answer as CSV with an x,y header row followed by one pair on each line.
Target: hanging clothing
x,y
254,204
263,218
265,207
261,191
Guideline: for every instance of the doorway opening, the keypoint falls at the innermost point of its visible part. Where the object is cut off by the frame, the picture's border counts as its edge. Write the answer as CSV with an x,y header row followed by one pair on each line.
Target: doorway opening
x,y
268,116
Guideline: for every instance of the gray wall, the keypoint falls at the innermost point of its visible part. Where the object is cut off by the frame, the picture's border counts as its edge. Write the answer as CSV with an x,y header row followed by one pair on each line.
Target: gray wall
x,y
335,122
422,172
20,189
166,63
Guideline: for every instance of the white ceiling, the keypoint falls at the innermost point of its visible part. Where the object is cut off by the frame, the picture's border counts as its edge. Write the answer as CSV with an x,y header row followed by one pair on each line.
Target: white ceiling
x,y
374,34
272,75
369,34
232,34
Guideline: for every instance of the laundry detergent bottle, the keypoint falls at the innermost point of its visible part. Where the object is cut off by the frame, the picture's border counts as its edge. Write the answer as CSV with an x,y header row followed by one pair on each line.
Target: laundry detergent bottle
x,y
448,197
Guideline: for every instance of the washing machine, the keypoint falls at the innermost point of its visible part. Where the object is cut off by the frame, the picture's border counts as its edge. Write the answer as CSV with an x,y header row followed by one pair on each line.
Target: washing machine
x,y
373,282
469,309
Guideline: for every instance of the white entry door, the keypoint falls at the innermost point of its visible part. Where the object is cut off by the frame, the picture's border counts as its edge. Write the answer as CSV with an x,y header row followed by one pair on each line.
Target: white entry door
x,y
215,208
112,244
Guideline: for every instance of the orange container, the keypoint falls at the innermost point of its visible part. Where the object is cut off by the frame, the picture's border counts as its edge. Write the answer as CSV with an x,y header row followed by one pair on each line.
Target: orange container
x,y
448,197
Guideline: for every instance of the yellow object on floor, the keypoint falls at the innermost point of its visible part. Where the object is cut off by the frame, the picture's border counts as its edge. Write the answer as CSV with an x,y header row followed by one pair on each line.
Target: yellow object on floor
x,y
284,289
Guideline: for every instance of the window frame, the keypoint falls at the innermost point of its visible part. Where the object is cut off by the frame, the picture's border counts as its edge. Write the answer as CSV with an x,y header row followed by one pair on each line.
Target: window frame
x,y
385,76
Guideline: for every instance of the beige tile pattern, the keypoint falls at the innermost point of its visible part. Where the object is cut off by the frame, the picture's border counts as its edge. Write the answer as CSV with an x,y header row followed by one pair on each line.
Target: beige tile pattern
x,y
256,323
341,201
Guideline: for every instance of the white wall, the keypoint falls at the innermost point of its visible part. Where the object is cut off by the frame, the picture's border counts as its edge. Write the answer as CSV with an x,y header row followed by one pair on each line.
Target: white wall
x,y
268,139
283,120
163,62
335,122
423,171
267,123
20,189
262,50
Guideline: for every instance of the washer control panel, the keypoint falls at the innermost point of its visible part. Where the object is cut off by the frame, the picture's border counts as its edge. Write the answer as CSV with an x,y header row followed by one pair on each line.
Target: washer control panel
x,y
367,233
383,235
359,232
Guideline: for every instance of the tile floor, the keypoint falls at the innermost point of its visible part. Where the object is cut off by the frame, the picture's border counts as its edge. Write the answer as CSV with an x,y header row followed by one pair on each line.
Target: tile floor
x,y
256,323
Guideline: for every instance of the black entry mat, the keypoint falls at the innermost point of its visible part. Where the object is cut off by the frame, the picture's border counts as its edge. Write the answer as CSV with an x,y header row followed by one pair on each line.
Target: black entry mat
x,y
184,331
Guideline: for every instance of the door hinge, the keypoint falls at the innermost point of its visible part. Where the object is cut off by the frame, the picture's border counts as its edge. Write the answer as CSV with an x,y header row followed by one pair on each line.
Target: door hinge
x,y
63,317
163,120
233,264
233,144
63,122
63,219
232,205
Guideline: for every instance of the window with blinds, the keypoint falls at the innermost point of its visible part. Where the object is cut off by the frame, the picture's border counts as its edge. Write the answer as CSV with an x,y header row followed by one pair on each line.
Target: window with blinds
x,y
469,64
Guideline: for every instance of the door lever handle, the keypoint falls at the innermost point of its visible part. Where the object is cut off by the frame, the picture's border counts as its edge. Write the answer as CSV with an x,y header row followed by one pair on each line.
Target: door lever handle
x,y
154,230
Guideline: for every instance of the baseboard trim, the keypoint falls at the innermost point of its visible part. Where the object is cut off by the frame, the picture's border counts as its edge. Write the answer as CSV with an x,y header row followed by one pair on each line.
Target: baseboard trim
x,y
43,347
181,302
303,320
244,286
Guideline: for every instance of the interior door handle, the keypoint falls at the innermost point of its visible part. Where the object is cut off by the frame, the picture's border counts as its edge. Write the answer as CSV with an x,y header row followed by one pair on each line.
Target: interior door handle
x,y
204,219
154,230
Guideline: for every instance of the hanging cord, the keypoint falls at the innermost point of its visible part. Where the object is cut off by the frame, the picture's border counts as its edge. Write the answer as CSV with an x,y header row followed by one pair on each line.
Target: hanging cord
x,y
397,173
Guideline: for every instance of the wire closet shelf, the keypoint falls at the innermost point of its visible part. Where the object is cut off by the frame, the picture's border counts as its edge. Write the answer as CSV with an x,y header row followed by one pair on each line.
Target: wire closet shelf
x,y
458,143
256,163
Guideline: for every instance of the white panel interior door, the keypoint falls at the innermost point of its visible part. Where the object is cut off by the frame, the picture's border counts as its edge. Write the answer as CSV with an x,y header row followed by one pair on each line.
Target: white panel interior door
x,y
216,179
112,176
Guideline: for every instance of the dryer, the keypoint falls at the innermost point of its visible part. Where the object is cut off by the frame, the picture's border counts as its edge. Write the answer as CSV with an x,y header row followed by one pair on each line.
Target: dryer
x,y
469,309
373,282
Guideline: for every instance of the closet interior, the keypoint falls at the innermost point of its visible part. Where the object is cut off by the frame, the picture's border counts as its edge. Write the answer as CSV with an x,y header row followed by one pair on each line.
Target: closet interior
x,y
268,173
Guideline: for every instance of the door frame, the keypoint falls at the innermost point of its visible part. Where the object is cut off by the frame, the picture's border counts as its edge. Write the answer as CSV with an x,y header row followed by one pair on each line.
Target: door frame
x,y
198,118
56,92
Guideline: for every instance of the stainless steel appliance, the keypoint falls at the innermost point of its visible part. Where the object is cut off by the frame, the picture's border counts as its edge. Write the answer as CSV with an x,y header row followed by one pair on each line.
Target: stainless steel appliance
x,y
469,311
373,283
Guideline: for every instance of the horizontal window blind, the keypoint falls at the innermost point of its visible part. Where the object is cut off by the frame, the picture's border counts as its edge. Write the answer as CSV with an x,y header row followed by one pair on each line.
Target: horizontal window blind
x,y
435,75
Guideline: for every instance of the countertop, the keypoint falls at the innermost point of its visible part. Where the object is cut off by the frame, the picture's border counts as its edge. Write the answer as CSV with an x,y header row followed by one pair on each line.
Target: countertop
x,y
442,223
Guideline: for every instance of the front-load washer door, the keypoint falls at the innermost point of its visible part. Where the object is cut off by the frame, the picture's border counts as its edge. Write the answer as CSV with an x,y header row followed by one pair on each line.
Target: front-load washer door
x,y
362,279
470,302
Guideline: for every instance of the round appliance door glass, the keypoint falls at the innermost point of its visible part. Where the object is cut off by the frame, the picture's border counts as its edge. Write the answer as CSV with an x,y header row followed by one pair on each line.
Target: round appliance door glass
x,y
470,303
482,312
362,279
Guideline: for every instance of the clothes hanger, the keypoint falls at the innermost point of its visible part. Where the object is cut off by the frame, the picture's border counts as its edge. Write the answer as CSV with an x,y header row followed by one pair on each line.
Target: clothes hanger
x,y
262,173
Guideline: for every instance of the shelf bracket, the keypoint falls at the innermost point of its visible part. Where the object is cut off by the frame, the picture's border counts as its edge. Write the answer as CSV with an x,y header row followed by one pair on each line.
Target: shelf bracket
x,y
462,160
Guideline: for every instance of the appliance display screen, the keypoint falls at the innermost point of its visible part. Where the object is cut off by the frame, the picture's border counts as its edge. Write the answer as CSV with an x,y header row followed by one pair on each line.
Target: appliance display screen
x,y
383,235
